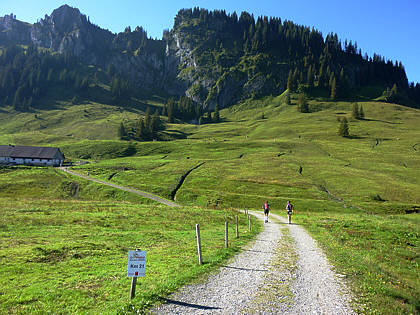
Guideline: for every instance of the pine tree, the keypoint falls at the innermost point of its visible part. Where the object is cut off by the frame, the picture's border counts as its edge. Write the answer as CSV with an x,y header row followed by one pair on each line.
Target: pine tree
x,y
344,128
216,114
290,81
361,113
288,101
355,111
310,77
141,132
154,125
295,80
147,119
393,97
394,90
122,134
333,88
302,104
30,102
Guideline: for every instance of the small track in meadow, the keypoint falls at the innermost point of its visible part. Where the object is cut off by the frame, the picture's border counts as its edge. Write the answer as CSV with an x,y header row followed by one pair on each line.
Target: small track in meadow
x,y
132,190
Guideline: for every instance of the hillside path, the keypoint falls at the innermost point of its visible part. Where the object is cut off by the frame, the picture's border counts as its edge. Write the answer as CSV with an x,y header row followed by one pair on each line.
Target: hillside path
x,y
255,283
134,191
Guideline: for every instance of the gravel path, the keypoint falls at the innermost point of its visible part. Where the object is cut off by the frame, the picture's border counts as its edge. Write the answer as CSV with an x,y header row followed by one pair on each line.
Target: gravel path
x,y
317,289
230,290
134,191
284,272
276,274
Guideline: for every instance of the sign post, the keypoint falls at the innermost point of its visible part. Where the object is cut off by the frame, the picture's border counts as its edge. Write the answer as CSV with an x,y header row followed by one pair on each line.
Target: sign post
x,y
136,268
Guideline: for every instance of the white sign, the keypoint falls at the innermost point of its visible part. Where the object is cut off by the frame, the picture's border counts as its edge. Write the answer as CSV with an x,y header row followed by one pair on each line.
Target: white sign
x,y
137,263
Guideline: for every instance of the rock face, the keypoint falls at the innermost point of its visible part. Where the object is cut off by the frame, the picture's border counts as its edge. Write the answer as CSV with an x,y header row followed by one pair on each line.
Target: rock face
x,y
14,31
68,31
174,64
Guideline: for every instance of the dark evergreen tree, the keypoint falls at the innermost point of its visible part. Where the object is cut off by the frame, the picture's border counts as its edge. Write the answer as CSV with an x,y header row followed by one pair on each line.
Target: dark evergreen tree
x,y
216,114
155,125
122,134
344,128
361,113
147,119
302,104
355,111
140,132
333,88
290,81
310,77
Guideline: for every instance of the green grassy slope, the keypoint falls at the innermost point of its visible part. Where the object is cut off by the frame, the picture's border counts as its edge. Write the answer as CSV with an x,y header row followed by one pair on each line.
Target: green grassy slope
x,y
352,195
64,244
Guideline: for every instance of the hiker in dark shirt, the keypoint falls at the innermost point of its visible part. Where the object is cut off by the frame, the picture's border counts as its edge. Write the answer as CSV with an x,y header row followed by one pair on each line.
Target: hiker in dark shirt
x,y
289,209
266,208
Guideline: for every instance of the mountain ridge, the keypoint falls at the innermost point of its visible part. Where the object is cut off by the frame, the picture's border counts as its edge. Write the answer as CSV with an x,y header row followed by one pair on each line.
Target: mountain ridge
x,y
212,57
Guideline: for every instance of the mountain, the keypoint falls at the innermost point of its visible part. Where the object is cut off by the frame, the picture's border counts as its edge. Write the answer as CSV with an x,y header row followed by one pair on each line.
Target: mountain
x,y
211,57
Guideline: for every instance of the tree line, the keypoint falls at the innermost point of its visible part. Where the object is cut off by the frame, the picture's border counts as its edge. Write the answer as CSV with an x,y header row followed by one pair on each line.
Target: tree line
x,y
185,109
27,75
145,128
224,40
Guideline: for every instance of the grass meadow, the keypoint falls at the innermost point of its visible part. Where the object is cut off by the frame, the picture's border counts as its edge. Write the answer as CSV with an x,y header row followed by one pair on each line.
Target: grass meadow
x,y
357,196
70,256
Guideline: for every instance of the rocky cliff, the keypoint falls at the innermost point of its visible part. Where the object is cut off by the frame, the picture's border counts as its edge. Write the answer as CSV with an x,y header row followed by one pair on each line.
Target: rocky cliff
x,y
210,56
170,64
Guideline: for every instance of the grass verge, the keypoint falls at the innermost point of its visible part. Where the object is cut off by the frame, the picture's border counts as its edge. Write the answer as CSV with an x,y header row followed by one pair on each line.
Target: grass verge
x,y
379,254
70,256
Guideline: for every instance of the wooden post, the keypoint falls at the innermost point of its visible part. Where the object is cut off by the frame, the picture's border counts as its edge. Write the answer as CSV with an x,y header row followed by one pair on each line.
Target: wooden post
x,y
133,285
227,235
250,223
237,226
200,257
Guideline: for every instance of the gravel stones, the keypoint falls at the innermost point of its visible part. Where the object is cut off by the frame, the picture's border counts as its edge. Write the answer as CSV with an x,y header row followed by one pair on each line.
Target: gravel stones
x,y
281,272
237,283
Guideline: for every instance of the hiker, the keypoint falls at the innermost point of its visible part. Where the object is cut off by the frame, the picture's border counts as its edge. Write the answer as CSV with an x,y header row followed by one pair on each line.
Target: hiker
x,y
266,208
289,209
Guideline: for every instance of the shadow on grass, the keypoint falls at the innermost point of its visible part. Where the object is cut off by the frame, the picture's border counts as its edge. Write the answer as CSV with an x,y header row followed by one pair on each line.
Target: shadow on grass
x,y
354,137
177,134
384,121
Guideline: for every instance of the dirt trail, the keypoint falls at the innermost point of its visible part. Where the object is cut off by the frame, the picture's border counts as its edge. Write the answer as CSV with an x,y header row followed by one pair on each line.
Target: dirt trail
x,y
318,289
264,278
283,272
134,191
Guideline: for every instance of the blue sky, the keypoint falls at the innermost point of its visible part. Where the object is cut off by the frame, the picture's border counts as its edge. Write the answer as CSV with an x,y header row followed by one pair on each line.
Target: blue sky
x,y
390,28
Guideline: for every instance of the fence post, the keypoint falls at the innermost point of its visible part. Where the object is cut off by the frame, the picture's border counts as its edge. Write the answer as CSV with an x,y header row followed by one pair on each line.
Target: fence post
x,y
227,235
200,257
237,226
